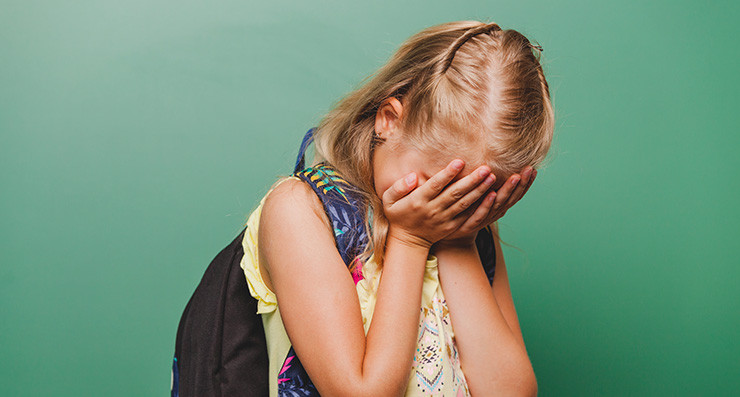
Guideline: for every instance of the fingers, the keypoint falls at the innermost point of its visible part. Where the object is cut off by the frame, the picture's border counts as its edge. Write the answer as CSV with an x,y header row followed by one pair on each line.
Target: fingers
x,y
464,193
492,205
513,189
527,178
399,189
432,187
504,192
480,214
531,181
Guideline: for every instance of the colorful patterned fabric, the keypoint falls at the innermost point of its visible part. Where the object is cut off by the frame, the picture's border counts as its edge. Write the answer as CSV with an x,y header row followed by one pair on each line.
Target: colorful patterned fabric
x,y
343,207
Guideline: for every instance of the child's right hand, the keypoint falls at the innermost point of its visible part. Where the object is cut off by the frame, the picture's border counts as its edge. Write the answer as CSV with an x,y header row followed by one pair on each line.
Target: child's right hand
x,y
434,210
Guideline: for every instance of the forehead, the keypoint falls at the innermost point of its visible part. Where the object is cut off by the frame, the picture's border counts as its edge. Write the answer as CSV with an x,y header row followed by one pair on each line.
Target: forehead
x,y
431,163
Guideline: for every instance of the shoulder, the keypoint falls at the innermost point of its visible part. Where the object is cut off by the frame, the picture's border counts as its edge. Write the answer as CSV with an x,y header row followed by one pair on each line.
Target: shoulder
x,y
291,203
289,189
296,242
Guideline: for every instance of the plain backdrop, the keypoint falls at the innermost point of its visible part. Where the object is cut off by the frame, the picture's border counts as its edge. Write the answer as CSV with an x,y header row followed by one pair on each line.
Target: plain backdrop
x,y
136,137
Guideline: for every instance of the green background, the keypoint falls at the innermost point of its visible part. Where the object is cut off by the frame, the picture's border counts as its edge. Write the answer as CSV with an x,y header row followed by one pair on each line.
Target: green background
x,y
137,136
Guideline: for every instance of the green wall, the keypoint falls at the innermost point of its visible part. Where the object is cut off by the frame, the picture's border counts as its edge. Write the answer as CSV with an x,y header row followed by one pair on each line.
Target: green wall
x,y
137,136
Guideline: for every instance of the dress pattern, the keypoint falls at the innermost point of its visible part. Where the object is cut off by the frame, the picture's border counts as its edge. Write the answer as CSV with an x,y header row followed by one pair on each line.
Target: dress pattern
x,y
435,348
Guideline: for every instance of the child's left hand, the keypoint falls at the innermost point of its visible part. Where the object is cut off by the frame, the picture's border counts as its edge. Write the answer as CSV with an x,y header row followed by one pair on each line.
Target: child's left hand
x,y
491,208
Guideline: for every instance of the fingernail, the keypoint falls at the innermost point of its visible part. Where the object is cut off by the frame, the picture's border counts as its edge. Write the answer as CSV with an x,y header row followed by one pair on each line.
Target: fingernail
x,y
483,172
491,197
515,181
528,172
490,179
410,179
457,164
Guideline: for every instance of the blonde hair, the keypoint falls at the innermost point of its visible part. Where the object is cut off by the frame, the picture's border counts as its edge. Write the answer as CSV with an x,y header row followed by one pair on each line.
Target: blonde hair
x,y
457,80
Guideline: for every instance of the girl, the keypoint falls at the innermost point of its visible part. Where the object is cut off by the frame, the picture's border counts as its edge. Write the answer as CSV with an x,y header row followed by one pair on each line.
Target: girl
x,y
433,145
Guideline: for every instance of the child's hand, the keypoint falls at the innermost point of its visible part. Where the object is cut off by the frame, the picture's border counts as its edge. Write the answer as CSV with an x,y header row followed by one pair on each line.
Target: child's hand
x,y
493,206
432,211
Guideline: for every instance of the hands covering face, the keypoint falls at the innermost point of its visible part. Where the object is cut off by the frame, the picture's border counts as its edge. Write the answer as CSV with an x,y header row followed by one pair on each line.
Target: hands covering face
x,y
440,211
493,206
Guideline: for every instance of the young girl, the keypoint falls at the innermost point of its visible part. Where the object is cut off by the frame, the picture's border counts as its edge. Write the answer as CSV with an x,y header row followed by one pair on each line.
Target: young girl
x,y
438,145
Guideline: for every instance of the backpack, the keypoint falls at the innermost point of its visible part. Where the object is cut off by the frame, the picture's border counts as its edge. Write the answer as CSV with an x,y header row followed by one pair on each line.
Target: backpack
x,y
220,347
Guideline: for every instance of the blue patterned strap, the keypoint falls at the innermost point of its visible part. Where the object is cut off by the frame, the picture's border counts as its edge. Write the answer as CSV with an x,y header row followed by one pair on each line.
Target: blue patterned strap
x,y
341,204
343,207
300,161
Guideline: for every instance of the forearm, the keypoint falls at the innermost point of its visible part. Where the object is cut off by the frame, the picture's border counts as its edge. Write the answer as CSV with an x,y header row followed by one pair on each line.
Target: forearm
x,y
491,356
391,338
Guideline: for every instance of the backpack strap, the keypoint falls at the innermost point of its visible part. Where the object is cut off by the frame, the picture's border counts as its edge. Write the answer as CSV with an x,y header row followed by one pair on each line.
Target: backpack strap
x,y
300,162
343,207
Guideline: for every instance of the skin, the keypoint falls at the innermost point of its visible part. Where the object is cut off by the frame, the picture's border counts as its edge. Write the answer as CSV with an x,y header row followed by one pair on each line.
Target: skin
x,y
393,160
487,332
317,297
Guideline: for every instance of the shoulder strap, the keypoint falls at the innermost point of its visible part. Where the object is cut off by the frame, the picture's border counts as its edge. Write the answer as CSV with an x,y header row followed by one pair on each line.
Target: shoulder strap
x,y
300,162
342,205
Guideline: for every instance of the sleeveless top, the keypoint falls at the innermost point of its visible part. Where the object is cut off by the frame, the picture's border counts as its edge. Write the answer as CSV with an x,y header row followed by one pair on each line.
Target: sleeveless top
x,y
436,368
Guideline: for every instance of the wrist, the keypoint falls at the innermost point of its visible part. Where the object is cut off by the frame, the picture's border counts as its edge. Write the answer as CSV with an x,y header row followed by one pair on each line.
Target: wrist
x,y
456,256
399,236
458,244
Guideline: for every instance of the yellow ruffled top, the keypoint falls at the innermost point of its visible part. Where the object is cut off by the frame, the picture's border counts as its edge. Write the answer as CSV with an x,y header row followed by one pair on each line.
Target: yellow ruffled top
x,y
436,368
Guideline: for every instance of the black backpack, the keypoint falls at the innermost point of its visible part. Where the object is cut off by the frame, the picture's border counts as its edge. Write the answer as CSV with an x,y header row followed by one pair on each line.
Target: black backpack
x,y
220,348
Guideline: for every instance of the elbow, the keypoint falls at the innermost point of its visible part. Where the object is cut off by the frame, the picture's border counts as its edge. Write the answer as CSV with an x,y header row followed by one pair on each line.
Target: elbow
x,y
525,382
519,385
529,386
520,381
514,382
358,391
365,387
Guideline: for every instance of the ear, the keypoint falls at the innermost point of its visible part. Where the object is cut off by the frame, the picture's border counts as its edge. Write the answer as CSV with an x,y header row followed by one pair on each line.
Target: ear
x,y
388,118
